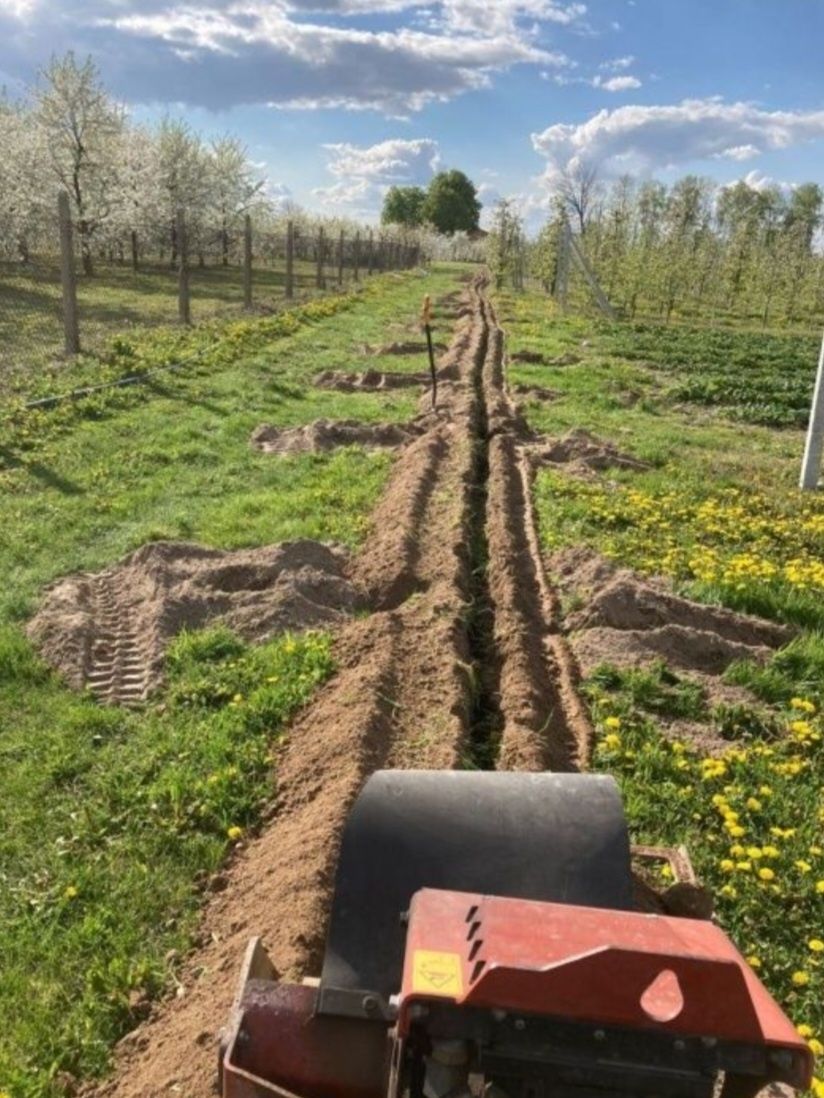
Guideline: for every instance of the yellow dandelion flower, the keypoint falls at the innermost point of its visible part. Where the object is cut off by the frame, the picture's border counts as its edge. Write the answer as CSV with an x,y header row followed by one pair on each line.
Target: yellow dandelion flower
x,y
234,832
754,962
753,804
612,741
800,978
69,892
804,1030
802,866
612,722
816,945
766,874
727,865
815,1046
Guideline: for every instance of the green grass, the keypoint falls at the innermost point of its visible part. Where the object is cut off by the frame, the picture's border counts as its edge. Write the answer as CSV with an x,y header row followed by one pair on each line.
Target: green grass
x,y
110,820
718,511
117,299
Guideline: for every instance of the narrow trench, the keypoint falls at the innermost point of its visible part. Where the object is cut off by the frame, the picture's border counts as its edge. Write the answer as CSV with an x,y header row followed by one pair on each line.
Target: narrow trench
x,y
485,717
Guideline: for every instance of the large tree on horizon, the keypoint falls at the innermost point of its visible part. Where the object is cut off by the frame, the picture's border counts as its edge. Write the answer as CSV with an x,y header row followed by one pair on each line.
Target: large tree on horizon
x,y
452,204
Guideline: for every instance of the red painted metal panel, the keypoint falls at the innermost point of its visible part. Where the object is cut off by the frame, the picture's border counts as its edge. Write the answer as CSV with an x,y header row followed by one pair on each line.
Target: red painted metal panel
x,y
591,965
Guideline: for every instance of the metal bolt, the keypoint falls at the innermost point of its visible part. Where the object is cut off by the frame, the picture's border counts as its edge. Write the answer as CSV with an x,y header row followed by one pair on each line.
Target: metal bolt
x,y
709,1042
520,1024
418,1010
370,1004
679,1045
599,1035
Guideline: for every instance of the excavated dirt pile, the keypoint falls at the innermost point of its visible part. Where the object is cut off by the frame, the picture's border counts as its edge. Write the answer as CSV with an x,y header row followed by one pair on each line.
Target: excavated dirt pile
x,y
626,620
405,347
110,630
579,451
368,381
326,434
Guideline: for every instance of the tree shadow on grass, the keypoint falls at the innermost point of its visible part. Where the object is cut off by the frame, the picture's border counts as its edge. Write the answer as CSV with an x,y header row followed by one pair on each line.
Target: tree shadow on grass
x,y
41,472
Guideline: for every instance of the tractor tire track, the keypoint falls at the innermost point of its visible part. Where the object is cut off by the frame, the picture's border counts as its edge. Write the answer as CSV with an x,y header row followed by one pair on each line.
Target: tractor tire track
x,y
116,669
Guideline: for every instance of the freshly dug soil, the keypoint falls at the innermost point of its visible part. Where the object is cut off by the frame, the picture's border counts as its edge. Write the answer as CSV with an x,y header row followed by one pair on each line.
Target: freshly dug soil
x,y
627,620
327,434
403,696
368,381
535,358
109,631
406,347
580,451
535,392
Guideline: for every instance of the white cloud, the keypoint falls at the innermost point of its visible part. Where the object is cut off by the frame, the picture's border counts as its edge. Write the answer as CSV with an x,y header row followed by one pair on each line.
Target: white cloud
x,y
646,139
618,83
364,174
617,64
289,53
300,65
393,161
739,152
608,84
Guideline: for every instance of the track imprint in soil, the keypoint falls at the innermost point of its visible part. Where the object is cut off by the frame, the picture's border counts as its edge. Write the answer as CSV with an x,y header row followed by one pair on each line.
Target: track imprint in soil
x,y
109,631
451,571
368,381
327,434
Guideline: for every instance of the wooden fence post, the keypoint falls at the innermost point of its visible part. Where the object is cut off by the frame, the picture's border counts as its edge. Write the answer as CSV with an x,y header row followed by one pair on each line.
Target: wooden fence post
x,y
247,262
341,245
67,276
135,253
183,300
370,253
290,259
356,258
319,275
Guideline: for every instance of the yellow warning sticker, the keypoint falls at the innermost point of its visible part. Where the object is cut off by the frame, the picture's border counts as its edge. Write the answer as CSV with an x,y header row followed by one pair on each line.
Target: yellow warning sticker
x,y
437,974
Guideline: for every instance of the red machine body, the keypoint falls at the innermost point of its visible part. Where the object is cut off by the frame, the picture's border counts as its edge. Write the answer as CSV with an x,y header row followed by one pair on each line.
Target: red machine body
x,y
607,968
607,976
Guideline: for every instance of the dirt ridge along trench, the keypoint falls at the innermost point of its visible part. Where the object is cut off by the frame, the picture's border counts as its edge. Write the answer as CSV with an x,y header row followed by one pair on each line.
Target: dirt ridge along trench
x,y
452,668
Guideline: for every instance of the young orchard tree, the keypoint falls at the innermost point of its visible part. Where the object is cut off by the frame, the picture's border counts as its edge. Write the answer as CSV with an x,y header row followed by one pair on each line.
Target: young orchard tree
x,y
183,168
452,204
505,245
24,193
546,249
82,127
403,206
233,187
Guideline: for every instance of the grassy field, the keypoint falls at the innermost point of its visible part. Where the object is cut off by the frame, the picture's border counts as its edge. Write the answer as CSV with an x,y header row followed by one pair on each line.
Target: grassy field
x,y
91,797
719,513
118,300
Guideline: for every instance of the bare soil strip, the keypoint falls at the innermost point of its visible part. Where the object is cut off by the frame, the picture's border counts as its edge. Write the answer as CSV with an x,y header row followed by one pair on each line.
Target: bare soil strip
x,y
450,547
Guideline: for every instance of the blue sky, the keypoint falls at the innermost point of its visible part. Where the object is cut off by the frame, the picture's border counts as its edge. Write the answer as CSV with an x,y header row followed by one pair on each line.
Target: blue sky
x,y
337,99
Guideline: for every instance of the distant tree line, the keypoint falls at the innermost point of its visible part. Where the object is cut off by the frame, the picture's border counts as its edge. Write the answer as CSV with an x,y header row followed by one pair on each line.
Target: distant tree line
x,y
448,205
693,248
126,181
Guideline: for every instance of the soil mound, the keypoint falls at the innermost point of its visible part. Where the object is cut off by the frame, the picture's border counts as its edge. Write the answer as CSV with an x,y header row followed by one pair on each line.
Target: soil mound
x,y
326,434
535,358
580,451
109,631
406,347
627,620
368,381
534,392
